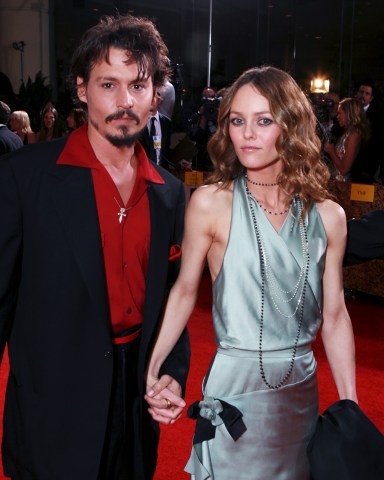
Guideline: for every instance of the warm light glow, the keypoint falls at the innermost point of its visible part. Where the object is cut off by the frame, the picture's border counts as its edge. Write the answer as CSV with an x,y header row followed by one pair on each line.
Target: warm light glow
x,y
320,85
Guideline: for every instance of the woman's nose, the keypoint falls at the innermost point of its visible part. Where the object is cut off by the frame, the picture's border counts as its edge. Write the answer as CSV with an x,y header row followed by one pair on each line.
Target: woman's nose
x,y
249,131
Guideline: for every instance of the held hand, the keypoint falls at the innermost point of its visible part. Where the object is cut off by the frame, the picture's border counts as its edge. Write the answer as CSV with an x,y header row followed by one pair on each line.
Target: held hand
x,y
164,399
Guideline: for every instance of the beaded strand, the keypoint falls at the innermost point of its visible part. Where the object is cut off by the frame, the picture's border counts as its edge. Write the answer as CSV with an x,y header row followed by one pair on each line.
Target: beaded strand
x,y
266,276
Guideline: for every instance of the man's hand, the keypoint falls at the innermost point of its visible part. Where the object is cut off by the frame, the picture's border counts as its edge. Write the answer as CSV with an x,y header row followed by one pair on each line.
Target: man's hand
x,y
164,399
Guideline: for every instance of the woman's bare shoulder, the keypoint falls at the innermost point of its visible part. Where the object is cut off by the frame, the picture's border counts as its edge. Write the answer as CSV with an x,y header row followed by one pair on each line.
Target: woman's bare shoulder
x,y
209,198
332,215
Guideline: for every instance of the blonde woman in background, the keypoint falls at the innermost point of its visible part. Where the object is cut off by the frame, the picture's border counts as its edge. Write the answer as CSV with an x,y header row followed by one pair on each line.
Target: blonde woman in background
x,y
19,123
343,153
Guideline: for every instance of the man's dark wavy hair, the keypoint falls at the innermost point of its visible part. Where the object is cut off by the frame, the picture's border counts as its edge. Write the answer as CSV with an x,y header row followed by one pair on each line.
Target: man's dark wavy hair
x,y
137,36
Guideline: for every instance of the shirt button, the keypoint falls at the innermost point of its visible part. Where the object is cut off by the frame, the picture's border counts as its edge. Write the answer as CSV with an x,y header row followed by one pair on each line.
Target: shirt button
x,y
125,264
107,354
129,310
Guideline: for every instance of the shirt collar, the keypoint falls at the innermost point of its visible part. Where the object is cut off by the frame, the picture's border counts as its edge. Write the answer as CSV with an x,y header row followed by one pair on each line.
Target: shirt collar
x,y
156,116
78,152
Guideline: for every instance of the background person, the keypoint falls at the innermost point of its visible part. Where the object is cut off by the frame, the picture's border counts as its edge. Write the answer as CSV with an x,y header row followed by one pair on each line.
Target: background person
x,y
156,138
168,99
49,128
89,245
9,141
203,125
19,123
274,245
366,166
76,118
352,119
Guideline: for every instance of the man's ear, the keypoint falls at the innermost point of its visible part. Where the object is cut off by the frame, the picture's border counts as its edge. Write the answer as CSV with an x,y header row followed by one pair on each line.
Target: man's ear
x,y
154,98
81,90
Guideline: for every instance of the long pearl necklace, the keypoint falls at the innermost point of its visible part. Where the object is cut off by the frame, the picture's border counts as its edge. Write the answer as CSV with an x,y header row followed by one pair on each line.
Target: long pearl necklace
x,y
275,291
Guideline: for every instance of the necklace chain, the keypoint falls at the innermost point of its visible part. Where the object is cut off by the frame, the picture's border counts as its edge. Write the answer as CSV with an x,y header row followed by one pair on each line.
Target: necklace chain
x,y
259,184
268,277
265,209
270,211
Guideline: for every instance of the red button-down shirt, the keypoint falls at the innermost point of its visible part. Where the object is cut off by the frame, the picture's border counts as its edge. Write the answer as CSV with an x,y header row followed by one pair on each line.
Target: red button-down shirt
x,y
125,243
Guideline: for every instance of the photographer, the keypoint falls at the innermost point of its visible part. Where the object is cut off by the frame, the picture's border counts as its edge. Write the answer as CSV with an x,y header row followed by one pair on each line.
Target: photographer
x,y
325,107
330,102
204,124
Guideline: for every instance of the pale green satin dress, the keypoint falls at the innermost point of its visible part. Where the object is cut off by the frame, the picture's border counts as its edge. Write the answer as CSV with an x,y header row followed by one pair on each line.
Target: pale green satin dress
x,y
279,423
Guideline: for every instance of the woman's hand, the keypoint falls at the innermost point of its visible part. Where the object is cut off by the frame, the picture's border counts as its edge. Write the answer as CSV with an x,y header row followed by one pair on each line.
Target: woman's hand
x,y
329,148
164,399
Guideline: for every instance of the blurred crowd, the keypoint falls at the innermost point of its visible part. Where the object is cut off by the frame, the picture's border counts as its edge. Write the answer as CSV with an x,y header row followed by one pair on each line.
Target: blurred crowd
x,y
351,130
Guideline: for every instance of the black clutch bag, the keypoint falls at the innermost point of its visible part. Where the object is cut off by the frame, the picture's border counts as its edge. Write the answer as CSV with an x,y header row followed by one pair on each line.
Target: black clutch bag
x,y
346,445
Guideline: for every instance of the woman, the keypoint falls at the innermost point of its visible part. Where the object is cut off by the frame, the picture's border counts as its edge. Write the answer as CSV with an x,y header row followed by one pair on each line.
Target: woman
x,y
19,123
49,124
352,119
76,118
274,244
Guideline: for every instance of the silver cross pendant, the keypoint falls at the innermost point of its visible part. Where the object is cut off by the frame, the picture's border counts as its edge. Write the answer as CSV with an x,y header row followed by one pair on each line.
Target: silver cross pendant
x,y
121,214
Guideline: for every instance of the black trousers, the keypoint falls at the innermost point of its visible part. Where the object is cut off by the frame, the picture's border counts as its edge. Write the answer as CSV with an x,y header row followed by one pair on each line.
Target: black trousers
x,y
117,462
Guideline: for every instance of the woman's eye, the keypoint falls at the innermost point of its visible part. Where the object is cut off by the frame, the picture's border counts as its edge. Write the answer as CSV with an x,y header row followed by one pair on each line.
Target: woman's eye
x,y
236,121
265,121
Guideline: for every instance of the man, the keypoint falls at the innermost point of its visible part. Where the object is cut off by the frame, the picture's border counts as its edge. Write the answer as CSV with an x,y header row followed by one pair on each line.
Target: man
x,y
9,141
89,229
156,138
168,99
205,127
367,162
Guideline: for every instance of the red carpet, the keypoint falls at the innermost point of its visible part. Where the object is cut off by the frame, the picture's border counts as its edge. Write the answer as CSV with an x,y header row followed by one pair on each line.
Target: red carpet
x,y
368,321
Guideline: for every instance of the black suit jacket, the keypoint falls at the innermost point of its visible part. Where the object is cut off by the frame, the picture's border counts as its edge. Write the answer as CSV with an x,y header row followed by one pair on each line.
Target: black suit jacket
x,y
9,141
166,132
365,238
346,445
54,315
368,159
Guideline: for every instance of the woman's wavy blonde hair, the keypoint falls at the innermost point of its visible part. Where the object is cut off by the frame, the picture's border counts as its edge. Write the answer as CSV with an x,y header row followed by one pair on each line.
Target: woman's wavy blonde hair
x,y
298,145
355,116
23,118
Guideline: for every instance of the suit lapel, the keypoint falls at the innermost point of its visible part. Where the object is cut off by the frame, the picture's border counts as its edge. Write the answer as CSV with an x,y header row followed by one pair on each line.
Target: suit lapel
x,y
158,262
73,195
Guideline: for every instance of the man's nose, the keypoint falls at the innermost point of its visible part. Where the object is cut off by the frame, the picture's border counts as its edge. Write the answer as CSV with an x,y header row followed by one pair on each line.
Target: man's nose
x,y
125,99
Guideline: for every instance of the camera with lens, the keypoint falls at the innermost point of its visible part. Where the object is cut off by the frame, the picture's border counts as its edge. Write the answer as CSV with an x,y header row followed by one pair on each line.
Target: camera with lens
x,y
321,106
210,109
327,102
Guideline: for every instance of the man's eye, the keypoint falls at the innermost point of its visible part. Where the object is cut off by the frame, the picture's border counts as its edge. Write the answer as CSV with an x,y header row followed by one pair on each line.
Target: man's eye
x,y
107,85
